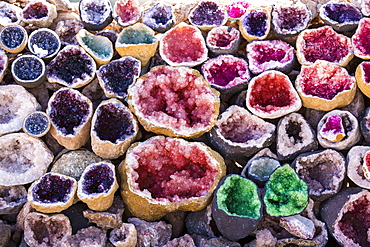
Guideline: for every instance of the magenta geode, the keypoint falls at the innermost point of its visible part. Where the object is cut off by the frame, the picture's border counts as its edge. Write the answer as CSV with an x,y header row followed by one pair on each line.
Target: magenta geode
x,y
270,54
226,72
236,10
360,39
126,12
208,14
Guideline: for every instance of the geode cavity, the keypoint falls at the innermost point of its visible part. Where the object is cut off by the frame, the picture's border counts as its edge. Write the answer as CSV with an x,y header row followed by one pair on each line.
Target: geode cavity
x,y
95,15
208,14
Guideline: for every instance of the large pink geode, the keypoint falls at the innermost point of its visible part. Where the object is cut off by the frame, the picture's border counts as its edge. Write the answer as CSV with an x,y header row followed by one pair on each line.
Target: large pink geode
x,y
165,174
183,45
174,101
360,39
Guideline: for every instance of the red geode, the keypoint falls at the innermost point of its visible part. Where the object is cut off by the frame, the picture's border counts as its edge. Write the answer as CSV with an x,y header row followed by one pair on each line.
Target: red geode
x,y
183,45
323,44
272,95
126,12
360,39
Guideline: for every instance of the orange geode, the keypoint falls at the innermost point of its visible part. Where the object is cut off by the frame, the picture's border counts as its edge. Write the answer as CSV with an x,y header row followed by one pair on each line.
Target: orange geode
x,y
165,174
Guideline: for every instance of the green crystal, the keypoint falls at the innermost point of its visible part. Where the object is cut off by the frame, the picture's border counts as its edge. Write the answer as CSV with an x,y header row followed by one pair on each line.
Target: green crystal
x,y
286,194
238,196
98,45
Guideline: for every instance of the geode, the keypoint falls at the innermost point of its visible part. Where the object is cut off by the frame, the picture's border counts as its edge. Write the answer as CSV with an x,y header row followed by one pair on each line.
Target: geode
x,y
10,14
97,186
325,86
28,71
42,230
347,127
52,193
238,133
362,75
236,9
236,205
91,236
12,199
364,123
207,15
174,101
126,12
70,113
255,24
260,169
23,159
39,13
323,171
223,40
150,192
347,217
95,14
271,95
72,67
360,41
113,129
67,30
36,124
160,17
125,235
13,38
44,43
183,45
354,161
294,136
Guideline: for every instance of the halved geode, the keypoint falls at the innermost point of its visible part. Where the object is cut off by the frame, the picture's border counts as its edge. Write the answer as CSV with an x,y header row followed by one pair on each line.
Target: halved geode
x,y
116,76
207,15
236,205
290,19
67,30
23,159
259,169
323,171
174,101
348,127
113,129
95,14
238,133
223,40
365,7
137,41
366,165
271,95
255,24
89,236
28,71
360,39
36,124
44,43
97,186
226,73
15,105
286,194
325,86
236,9
364,122
39,13
347,216
12,199
70,113
294,136
183,45
126,12
10,14
160,17
3,64
323,44
52,193
125,235
266,55
46,230
72,67
164,174
13,38
362,75
354,161
99,47
342,16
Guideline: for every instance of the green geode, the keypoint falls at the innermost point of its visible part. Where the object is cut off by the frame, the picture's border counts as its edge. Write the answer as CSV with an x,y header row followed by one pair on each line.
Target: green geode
x,y
97,44
286,194
238,196
136,35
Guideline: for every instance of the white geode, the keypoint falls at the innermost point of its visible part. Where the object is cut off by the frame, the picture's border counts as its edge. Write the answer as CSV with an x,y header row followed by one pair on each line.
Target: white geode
x,y
16,103
23,159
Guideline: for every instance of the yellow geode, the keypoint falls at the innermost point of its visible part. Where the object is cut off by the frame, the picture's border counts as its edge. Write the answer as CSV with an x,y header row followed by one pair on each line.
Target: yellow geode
x,y
164,174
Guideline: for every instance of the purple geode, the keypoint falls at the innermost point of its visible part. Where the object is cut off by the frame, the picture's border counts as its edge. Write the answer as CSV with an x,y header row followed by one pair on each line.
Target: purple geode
x,y
95,15
44,43
208,13
12,37
255,23
160,17
99,179
342,12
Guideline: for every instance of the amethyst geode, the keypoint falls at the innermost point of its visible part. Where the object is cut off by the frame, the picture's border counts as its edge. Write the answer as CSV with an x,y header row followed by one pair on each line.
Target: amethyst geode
x,y
208,14
160,17
95,15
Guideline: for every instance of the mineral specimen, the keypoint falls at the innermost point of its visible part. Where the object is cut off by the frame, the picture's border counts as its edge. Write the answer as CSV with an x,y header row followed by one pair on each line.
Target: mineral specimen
x,y
91,236
52,193
355,161
126,12
237,9
160,17
10,14
236,205
13,38
95,14
174,101
325,86
72,67
260,169
239,134
39,13
70,113
255,24
113,129
44,43
124,236
363,77
150,193
286,194
207,15
28,71
272,95
360,41
183,45
97,186
333,129
23,159
364,123
36,124
298,226
199,222
116,76
223,40
12,199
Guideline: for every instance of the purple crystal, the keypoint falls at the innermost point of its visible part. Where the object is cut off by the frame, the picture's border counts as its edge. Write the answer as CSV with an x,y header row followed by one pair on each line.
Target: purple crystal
x,y
36,10
98,179
342,12
28,68
52,188
113,123
45,40
159,17
333,123
36,123
256,23
68,111
207,14
12,37
290,18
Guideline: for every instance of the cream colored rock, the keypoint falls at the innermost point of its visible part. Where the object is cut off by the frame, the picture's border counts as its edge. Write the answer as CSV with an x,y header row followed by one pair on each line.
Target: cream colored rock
x,y
124,236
